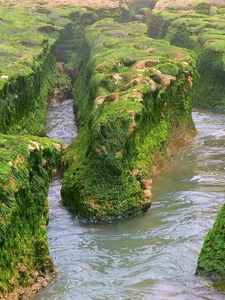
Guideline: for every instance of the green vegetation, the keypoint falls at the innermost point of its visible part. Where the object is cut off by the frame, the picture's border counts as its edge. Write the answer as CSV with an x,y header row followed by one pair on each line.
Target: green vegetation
x,y
203,32
31,42
26,165
27,70
211,261
139,10
131,93
28,73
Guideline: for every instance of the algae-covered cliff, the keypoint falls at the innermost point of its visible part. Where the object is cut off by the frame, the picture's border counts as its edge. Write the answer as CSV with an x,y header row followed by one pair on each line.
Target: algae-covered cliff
x,y
27,75
133,102
133,92
31,40
203,31
27,68
26,165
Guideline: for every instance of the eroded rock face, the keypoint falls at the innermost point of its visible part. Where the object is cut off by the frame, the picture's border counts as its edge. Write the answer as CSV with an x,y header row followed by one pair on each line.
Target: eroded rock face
x,y
137,93
201,30
27,164
28,73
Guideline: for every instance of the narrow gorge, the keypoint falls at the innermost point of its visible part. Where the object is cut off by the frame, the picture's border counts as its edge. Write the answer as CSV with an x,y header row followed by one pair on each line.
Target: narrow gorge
x,y
131,73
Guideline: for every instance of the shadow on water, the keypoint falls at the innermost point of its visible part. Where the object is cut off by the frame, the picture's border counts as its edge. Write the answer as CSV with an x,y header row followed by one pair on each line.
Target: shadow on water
x,y
148,257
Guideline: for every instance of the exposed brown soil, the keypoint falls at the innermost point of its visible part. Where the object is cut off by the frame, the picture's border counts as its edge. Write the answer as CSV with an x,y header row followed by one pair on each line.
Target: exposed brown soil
x,y
218,3
160,5
83,3
185,4
25,293
180,4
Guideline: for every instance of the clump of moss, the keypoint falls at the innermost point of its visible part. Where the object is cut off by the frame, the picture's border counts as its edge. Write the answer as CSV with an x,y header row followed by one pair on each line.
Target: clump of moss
x,y
131,93
203,8
28,70
202,32
140,9
32,39
211,261
26,166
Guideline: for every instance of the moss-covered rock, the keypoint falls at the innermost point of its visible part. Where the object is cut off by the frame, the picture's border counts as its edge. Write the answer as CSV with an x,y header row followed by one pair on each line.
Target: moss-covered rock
x,y
203,8
32,40
26,166
211,261
202,31
131,93
205,35
28,70
140,9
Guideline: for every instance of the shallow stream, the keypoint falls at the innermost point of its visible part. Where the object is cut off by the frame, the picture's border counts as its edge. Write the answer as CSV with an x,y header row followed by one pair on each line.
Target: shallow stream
x,y
152,256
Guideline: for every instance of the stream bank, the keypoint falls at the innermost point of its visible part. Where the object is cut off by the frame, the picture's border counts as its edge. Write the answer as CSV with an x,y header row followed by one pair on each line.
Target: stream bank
x,y
151,256
25,97
128,105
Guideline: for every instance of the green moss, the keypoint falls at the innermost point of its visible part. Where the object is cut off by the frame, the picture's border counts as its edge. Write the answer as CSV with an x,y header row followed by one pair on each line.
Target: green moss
x,y
29,40
26,67
28,73
204,34
211,261
123,116
203,8
26,169
32,39
140,8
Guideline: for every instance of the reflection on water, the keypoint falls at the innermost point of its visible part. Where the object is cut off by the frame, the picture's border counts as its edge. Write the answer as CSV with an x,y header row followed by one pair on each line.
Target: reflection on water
x,y
152,256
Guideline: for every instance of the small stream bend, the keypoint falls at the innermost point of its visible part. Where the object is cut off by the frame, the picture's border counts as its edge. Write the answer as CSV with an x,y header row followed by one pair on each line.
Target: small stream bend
x,y
148,257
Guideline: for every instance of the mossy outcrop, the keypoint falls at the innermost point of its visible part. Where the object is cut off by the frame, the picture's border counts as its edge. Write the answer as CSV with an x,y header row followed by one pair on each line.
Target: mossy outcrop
x,y
202,30
131,93
28,69
26,166
204,33
211,261
139,10
28,72
132,97
31,43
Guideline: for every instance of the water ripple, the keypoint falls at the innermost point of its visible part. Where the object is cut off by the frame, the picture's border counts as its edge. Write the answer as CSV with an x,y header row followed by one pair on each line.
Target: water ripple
x,y
152,256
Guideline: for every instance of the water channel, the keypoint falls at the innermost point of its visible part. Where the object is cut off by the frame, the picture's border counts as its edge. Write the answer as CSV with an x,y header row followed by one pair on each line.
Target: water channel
x,y
152,256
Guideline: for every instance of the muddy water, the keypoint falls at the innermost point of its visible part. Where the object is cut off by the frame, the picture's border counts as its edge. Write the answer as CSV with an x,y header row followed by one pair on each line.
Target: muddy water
x,y
153,256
